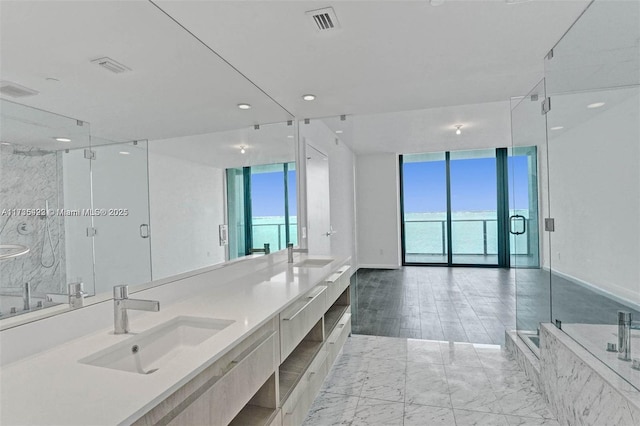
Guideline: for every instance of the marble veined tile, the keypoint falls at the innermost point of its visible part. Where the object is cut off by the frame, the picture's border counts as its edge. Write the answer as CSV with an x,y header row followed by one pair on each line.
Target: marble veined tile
x,y
528,421
385,380
359,345
528,403
475,418
347,375
427,385
389,348
331,409
424,351
495,358
459,354
377,412
470,389
421,415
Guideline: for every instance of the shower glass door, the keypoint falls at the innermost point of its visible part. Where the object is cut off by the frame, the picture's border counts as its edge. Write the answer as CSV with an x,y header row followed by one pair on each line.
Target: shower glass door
x,y
529,138
121,223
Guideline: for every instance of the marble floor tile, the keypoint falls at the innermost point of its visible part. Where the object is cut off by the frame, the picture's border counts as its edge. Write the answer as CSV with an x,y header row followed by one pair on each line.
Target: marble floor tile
x,y
347,375
427,385
359,345
421,415
459,354
528,421
331,409
389,348
470,389
385,380
475,418
373,412
424,351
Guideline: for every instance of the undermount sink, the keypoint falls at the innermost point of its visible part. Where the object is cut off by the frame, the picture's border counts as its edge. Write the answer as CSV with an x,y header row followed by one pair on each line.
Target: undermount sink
x,y
313,263
149,351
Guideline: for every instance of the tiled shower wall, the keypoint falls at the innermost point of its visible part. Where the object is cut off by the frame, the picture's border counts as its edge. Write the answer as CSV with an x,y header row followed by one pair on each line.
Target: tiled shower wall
x,y
26,182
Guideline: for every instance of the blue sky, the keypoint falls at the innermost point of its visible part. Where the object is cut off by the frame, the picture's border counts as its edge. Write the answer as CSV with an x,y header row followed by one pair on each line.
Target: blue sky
x,y
267,194
473,185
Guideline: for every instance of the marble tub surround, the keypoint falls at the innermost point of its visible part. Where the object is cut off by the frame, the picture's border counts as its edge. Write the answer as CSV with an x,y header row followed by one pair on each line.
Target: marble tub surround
x,y
524,356
27,181
580,388
395,381
248,292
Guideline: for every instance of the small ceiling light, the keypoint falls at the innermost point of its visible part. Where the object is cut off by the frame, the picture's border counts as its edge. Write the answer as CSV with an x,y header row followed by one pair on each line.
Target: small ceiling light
x,y
308,97
338,131
125,152
557,128
63,139
595,105
242,150
458,127
290,136
5,143
244,106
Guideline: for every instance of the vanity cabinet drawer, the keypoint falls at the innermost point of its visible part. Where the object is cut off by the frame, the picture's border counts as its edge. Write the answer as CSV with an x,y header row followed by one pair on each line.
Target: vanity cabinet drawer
x,y
296,407
298,319
337,283
221,398
338,336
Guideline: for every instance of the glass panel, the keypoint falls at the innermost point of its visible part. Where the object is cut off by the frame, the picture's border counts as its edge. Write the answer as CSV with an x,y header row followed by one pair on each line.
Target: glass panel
x,y
121,220
424,191
529,136
235,205
593,80
474,207
39,184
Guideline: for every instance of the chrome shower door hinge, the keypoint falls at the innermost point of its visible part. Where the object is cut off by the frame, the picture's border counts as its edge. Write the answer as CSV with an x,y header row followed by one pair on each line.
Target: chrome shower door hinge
x,y
89,154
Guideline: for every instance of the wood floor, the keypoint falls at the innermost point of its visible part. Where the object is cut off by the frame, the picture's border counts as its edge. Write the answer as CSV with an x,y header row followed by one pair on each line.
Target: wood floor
x,y
435,303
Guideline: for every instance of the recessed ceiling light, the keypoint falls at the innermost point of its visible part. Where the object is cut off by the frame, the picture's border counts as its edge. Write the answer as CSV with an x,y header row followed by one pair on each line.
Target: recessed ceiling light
x,y
338,131
124,152
308,97
5,143
595,105
458,127
557,128
242,150
63,139
290,136
244,106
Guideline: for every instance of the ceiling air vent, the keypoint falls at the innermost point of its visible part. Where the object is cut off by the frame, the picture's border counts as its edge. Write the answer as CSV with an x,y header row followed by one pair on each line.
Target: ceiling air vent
x,y
323,19
15,90
111,65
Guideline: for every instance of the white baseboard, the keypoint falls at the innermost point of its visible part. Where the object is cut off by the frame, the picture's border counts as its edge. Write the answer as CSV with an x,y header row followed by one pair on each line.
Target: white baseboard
x,y
596,289
378,266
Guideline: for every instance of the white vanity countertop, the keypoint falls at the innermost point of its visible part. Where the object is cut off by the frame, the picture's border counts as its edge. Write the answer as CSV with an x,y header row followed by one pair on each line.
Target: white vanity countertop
x,y
52,387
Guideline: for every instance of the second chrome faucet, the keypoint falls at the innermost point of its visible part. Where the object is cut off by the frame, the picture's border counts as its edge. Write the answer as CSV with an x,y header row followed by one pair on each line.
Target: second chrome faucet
x,y
122,303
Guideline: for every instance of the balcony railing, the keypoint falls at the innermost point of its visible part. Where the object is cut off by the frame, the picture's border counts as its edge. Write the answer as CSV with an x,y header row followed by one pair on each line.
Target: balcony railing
x,y
429,237
274,234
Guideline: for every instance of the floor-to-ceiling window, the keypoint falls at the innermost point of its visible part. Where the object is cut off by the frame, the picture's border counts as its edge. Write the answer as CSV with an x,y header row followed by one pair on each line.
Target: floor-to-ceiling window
x,y
455,208
261,207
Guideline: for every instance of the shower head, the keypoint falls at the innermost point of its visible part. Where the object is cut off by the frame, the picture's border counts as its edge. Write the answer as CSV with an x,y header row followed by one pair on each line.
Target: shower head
x,y
33,152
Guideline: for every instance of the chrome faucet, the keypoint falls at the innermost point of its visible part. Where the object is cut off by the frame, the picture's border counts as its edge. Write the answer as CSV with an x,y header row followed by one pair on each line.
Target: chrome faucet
x,y
624,335
291,250
122,303
76,295
26,296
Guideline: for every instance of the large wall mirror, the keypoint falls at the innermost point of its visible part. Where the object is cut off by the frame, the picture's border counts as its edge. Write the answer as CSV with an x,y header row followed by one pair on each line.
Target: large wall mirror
x,y
126,136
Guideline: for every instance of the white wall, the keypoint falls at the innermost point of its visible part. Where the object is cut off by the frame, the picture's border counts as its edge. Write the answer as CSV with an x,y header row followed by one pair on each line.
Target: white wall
x,y
187,205
378,211
341,186
595,190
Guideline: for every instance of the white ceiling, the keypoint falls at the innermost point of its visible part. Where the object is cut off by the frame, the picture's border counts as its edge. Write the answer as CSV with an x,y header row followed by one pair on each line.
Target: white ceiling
x,y
388,56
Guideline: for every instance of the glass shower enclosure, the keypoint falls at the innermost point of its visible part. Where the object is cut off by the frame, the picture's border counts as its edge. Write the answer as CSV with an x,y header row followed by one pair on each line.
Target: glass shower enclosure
x,y
584,118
